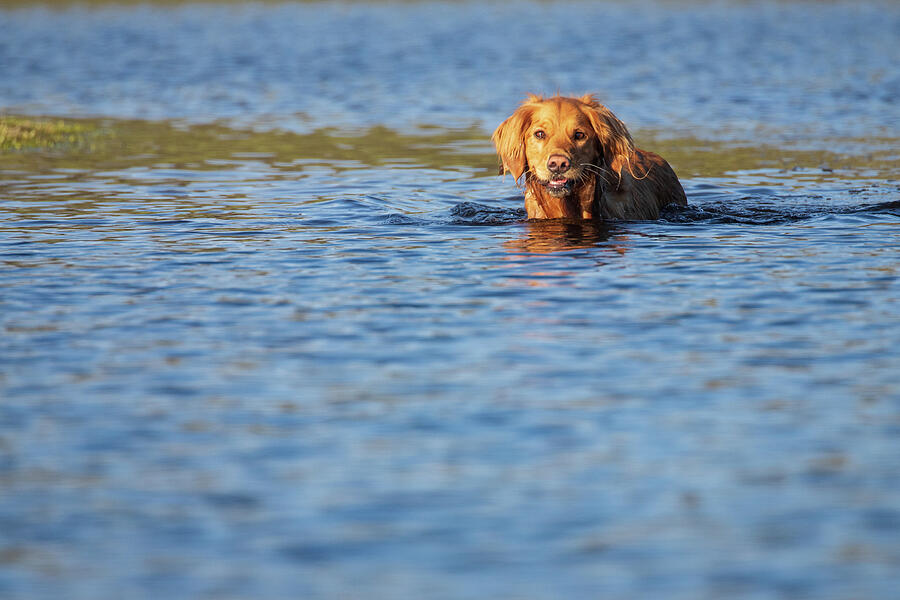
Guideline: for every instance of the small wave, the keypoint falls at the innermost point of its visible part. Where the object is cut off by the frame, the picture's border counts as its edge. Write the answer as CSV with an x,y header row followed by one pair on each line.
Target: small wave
x,y
748,213
473,213
401,219
727,214
891,208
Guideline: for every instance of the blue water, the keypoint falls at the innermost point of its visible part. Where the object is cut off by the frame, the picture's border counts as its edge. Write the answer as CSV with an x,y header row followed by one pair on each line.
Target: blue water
x,y
353,371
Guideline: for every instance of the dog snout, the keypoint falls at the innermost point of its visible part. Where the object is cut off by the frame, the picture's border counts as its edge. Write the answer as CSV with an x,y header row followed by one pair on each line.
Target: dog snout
x,y
558,163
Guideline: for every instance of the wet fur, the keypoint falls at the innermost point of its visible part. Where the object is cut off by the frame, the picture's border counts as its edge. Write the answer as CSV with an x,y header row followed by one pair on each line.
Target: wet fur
x,y
608,177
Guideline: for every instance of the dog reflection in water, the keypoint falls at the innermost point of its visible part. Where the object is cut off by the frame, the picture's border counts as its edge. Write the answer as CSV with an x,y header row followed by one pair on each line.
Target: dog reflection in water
x,y
559,235
579,162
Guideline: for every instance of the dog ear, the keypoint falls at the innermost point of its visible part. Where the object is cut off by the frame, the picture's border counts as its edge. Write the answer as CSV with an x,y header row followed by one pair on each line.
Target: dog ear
x,y
615,142
509,140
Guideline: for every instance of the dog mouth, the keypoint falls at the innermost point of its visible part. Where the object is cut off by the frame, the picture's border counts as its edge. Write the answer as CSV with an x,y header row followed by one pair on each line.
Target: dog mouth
x,y
558,185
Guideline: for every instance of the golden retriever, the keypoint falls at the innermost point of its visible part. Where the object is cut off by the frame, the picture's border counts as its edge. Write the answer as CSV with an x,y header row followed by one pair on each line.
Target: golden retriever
x,y
580,162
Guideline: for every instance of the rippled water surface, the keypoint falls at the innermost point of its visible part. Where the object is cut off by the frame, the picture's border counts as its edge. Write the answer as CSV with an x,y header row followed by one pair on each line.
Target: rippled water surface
x,y
274,328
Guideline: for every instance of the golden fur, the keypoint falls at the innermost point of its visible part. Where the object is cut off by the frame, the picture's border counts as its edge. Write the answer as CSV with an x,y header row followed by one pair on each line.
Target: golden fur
x,y
579,162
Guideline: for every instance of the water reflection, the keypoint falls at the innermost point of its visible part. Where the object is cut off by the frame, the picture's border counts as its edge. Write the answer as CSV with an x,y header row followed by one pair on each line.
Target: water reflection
x,y
560,235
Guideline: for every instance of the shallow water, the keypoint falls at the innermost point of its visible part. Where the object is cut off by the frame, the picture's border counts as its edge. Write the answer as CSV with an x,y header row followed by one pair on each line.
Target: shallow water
x,y
276,329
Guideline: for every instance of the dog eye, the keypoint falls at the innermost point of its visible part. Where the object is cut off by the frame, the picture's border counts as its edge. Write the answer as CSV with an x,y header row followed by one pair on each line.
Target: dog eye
x,y
539,134
579,135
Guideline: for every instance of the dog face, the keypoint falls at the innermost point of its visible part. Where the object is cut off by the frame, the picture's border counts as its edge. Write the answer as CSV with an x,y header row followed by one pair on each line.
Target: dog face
x,y
560,146
560,143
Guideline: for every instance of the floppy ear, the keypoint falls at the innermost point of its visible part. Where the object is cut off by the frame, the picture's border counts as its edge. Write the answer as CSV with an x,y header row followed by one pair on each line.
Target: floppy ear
x,y
509,139
615,142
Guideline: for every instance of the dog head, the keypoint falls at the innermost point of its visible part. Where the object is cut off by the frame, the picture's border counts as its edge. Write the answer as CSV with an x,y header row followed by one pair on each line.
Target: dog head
x,y
561,142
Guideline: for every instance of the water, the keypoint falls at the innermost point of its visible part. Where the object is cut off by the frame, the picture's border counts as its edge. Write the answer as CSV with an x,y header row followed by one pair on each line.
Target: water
x,y
276,329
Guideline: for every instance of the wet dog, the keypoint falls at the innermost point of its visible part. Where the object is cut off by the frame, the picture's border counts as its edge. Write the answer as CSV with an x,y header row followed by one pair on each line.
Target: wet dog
x,y
579,162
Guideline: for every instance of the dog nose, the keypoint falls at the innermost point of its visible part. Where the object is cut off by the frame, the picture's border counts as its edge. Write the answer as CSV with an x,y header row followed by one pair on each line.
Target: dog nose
x,y
558,163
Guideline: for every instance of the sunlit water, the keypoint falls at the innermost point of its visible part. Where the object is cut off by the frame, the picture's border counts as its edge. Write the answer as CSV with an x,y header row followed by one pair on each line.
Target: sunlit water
x,y
315,350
